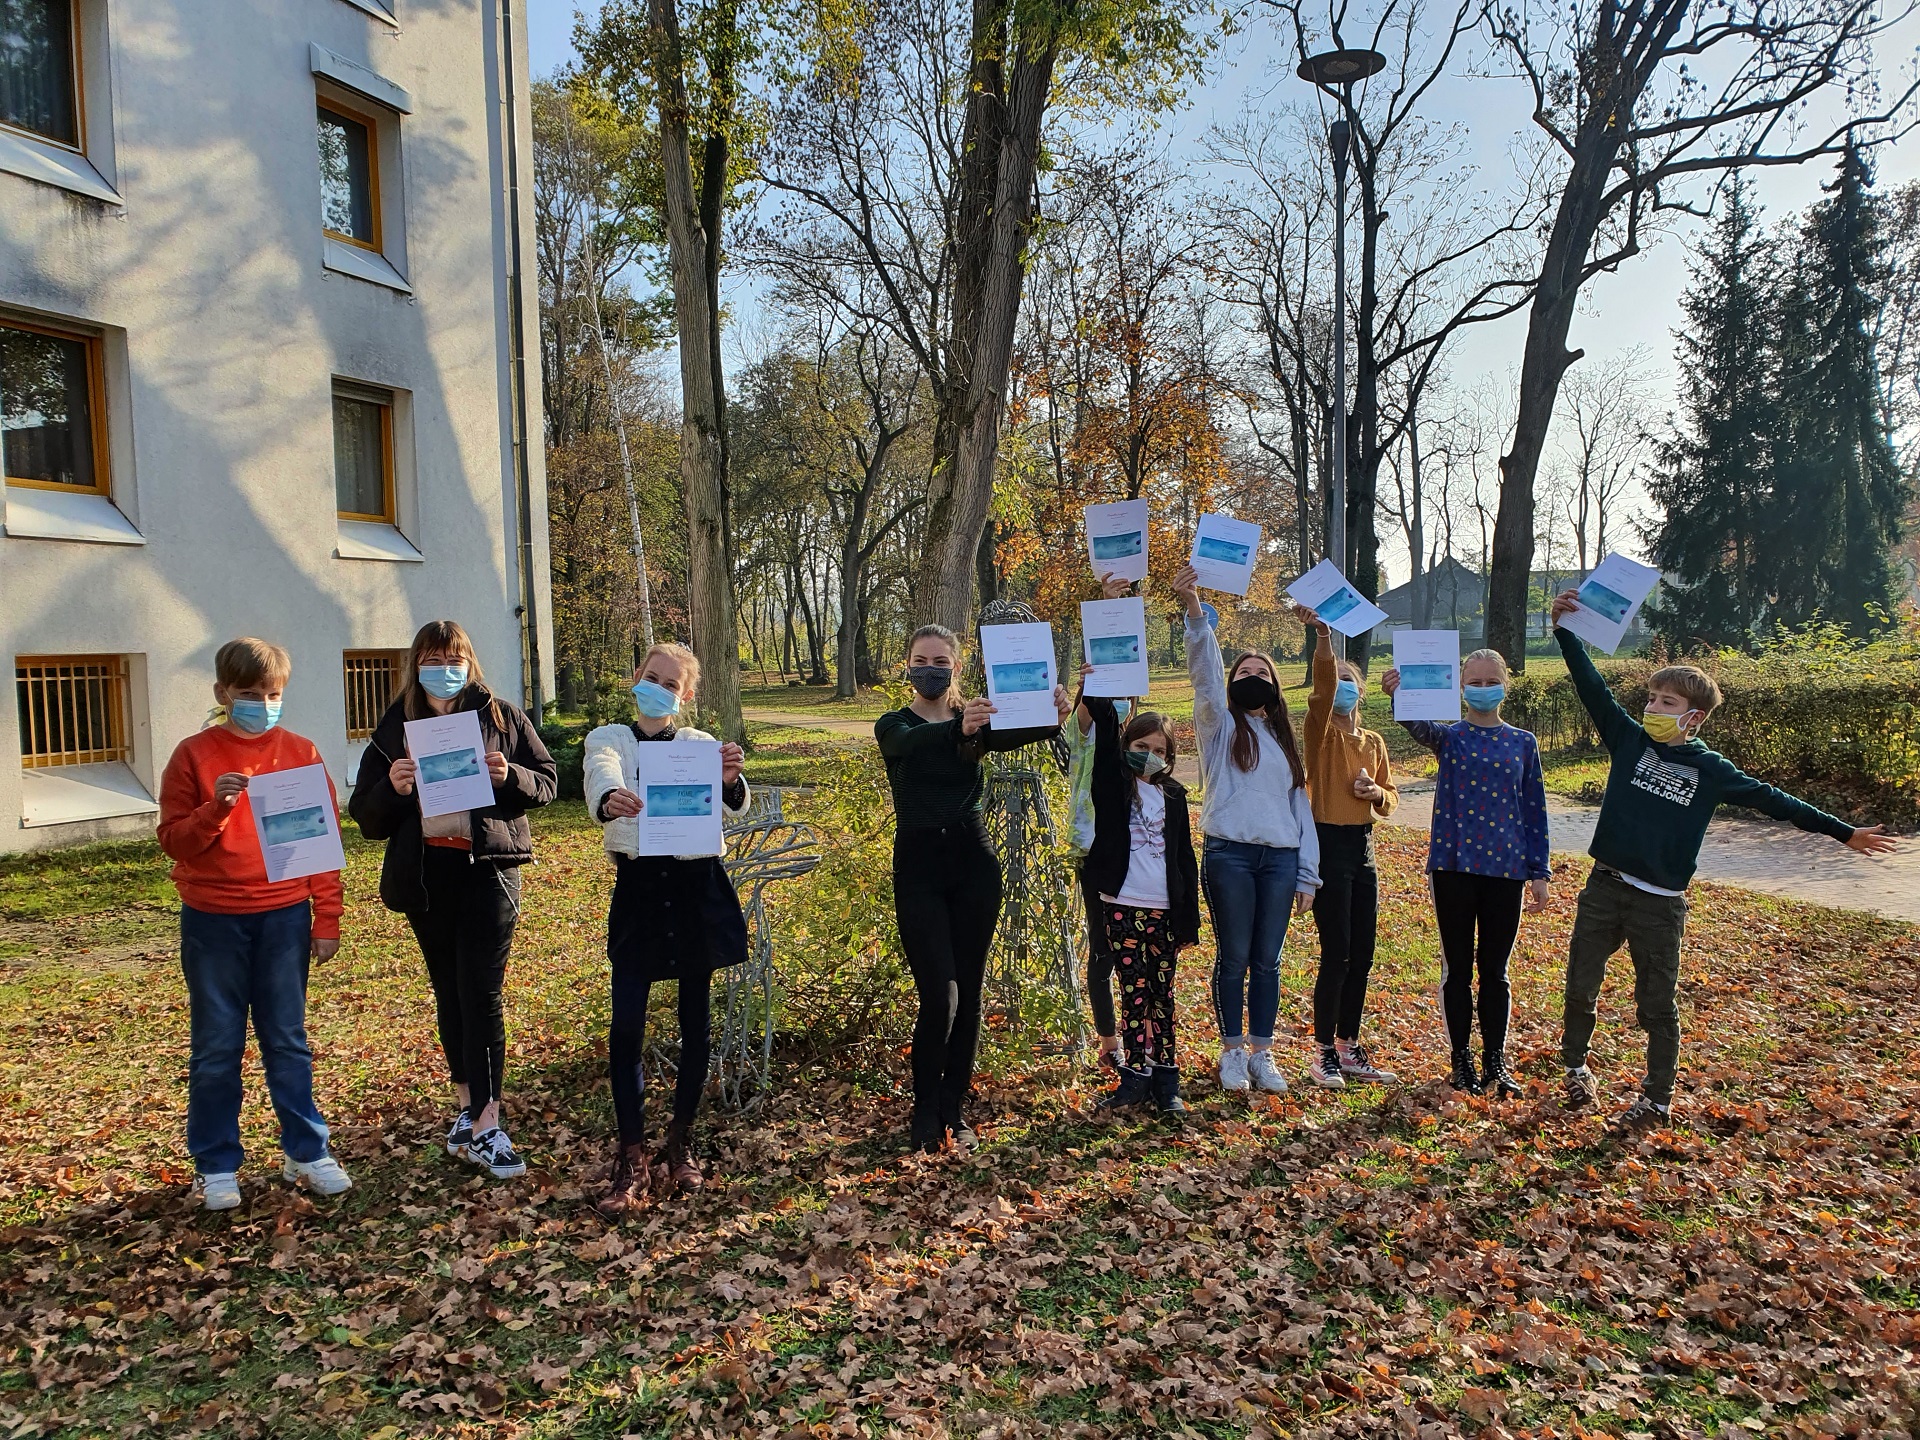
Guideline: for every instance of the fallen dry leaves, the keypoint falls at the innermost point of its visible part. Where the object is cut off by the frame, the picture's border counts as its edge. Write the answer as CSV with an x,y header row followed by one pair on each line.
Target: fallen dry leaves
x,y
1395,1262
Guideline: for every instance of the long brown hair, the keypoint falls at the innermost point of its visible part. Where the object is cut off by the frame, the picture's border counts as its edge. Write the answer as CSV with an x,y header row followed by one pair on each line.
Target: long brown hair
x,y
1150,722
1245,748
953,643
443,637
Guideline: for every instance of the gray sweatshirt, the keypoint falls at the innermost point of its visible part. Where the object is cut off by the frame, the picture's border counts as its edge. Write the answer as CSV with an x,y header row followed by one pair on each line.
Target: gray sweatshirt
x,y
1261,806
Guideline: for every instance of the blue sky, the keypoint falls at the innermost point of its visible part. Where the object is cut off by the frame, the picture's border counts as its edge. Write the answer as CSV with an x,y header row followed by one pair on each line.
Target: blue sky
x,y
1636,306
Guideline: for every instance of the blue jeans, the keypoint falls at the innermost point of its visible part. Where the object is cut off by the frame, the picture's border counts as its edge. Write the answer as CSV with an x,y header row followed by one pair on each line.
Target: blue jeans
x,y
236,965
1249,892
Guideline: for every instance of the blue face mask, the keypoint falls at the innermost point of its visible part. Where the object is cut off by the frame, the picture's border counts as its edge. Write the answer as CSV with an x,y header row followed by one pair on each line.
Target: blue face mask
x,y
255,717
656,702
443,682
1484,698
1346,695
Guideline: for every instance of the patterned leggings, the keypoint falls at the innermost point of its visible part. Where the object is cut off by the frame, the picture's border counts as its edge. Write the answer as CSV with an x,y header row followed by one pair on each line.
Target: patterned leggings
x,y
1143,956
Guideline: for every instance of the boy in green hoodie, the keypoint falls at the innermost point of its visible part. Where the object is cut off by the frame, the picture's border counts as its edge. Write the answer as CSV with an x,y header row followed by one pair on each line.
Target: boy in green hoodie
x,y
1662,788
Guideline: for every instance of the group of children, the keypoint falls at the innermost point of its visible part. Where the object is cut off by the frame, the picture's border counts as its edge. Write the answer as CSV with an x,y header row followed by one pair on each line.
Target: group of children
x,y
247,940
1278,830
1286,827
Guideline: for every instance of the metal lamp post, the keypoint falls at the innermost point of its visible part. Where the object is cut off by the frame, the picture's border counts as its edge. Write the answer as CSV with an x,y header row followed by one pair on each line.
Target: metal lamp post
x,y
1341,69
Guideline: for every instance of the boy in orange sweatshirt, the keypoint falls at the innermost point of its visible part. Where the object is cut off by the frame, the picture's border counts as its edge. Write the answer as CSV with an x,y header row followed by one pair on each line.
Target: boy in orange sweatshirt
x,y
245,940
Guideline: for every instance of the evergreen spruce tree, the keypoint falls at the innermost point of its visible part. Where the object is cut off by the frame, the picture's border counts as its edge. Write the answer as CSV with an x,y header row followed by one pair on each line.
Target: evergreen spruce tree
x,y
1840,494
1714,481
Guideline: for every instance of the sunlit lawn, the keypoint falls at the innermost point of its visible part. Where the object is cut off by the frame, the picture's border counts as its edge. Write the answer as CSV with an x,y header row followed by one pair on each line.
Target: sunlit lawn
x,y
1364,1264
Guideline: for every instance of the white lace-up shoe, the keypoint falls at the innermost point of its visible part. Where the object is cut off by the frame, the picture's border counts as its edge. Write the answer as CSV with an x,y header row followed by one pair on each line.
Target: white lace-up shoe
x,y
323,1176
1233,1068
1265,1074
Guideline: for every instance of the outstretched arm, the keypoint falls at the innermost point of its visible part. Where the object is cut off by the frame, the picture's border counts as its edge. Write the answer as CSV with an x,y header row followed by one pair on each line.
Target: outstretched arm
x,y
1613,722
1739,788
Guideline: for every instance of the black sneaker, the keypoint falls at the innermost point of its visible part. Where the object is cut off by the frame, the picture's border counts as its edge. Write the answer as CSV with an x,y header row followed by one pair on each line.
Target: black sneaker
x,y
461,1135
1464,1076
1643,1114
1497,1079
494,1153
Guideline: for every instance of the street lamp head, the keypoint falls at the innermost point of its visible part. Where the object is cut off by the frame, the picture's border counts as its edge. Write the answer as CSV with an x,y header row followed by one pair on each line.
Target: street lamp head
x,y
1339,137
1341,67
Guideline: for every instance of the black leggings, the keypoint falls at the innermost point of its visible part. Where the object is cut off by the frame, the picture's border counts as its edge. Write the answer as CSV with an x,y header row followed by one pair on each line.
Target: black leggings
x,y
1491,903
465,934
946,898
626,1043
1346,911
1099,960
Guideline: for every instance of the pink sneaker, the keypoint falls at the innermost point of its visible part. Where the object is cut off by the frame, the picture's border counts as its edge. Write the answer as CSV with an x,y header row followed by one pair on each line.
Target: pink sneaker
x,y
1325,1070
1357,1066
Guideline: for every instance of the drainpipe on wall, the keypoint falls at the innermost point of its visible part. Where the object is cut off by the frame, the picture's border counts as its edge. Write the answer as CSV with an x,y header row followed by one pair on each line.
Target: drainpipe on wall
x,y
517,345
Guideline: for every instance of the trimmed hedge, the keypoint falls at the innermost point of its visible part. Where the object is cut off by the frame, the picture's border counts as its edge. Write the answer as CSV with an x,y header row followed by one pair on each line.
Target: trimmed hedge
x,y
1829,720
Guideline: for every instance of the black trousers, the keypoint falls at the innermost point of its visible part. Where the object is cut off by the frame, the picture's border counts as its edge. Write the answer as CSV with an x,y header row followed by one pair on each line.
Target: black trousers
x,y
465,934
946,898
1099,960
627,1041
1346,911
1490,904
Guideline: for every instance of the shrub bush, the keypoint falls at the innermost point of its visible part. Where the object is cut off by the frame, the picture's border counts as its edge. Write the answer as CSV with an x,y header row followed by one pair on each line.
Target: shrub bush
x,y
1826,717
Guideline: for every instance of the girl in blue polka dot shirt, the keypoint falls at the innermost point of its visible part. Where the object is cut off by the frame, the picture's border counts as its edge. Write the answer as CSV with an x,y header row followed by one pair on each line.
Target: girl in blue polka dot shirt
x,y
1487,856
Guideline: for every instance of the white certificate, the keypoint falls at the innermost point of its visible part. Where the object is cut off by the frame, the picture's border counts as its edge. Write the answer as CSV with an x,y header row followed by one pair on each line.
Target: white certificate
x,y
1224,552
1429,666
294,818
450,761
1117,539
1325,591
1115,632
1609,599
678,782
1020,676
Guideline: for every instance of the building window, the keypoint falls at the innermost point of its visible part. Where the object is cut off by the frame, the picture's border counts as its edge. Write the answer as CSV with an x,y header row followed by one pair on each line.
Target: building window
x,y
363,452
349,174
52,419
372,681
39,71
73,709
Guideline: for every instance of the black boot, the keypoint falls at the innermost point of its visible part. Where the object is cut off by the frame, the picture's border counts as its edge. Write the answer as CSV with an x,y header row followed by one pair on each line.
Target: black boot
x,y
1463,1077
927,1135
1498,1079
1166,1090
1135,1089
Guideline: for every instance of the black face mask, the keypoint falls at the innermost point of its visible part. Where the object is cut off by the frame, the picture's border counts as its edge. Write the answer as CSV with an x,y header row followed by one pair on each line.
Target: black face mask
x,y
932,681
1252,692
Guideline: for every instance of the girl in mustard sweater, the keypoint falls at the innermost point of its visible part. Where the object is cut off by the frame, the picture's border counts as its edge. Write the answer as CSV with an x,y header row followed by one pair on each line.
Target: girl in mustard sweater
x,y
1351,786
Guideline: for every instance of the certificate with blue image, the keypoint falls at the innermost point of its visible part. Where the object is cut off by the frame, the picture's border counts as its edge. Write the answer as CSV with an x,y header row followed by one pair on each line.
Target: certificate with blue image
x,y
1020,675
1429,666
1224,553
1117,539
681,810
1116,646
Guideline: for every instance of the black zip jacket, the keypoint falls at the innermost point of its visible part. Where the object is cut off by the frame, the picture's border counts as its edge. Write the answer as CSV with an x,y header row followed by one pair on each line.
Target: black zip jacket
x,y
1112,790
499,834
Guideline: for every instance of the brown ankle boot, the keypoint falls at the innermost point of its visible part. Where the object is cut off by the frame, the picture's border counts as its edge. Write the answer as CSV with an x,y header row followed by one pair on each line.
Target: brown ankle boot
x,y
682,1173
632,1178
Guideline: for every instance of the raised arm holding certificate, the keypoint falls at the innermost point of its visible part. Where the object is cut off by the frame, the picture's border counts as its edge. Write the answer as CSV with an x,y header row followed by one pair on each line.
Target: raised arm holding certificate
x,y
1326,592
1115,632
1609,599
1224,553
1117,539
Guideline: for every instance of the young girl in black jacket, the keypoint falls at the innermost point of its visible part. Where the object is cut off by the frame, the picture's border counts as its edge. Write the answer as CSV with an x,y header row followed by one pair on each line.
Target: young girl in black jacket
x,y
1142,867
457,877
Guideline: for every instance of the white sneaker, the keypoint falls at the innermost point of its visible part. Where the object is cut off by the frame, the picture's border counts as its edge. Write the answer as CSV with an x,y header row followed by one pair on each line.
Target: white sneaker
x,y
1265,1074
1233,1068
217,1192
323,1176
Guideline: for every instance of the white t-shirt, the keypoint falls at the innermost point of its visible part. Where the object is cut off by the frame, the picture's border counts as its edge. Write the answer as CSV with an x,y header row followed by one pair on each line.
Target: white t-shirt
x,y
1146,885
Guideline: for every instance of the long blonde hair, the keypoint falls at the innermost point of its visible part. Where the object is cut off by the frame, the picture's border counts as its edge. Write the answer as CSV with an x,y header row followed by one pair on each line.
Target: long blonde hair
x,y
952,642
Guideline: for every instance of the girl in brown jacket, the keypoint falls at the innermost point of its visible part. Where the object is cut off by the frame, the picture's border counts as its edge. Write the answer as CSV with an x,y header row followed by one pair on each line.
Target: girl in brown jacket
x,y
1351,787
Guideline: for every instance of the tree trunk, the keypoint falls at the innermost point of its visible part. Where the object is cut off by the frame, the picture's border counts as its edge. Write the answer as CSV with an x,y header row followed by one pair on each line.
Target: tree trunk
x,y
693,234
995,215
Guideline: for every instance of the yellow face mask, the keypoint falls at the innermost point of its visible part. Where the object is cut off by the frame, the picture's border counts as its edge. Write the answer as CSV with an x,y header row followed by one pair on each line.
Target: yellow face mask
x,y
1664,729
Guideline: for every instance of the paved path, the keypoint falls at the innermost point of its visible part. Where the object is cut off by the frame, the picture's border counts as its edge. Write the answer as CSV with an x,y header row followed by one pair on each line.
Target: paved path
x,y
1755,853
801,720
